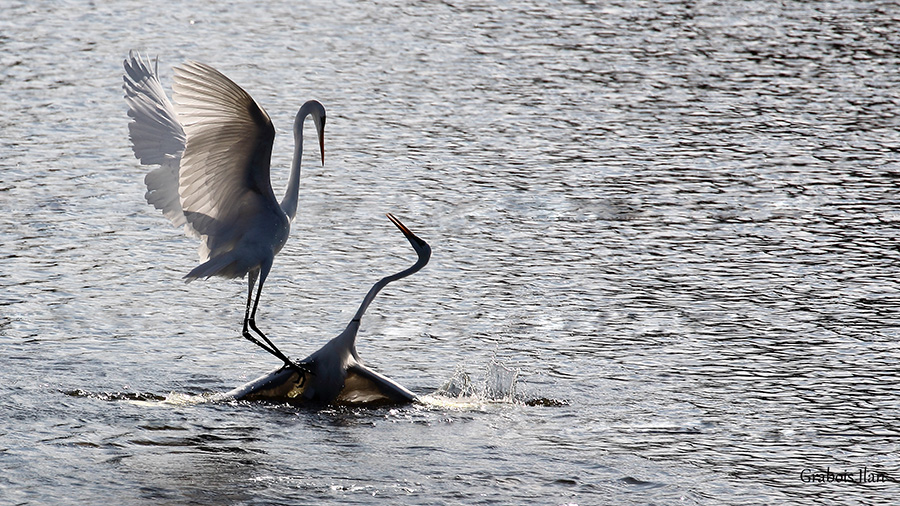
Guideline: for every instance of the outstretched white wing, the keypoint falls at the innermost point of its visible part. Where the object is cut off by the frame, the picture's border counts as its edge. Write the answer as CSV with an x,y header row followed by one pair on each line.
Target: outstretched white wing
x,y
156,137
224,178
363,385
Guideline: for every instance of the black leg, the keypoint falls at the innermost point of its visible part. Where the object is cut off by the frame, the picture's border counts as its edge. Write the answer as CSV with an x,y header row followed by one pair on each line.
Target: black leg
x,y
250,320
246,333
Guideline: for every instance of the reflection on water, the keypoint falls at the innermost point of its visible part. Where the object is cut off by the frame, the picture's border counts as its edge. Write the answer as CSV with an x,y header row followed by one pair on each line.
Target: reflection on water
x,y
664,240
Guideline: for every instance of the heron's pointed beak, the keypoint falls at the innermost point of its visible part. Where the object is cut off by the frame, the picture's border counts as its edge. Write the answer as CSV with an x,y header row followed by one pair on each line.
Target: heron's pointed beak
x,y
407,232
322,144
421,247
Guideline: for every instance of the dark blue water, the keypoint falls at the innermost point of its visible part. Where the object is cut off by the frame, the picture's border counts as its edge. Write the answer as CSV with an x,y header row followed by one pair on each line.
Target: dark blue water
x,y
665,256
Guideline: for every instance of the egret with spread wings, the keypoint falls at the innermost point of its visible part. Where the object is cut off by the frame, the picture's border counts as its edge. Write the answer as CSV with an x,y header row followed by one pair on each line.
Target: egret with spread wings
x,y
213,148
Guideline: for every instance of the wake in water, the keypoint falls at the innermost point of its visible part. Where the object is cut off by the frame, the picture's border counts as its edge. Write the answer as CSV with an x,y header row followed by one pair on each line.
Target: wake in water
x,y
145,398
497,384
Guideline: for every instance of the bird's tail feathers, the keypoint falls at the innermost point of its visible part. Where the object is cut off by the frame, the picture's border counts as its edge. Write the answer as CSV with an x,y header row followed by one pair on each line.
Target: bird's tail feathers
x,y
224,266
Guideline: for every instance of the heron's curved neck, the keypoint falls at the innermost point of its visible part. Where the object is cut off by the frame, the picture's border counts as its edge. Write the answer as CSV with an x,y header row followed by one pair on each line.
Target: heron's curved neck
x,y
383,282
292,193
353,326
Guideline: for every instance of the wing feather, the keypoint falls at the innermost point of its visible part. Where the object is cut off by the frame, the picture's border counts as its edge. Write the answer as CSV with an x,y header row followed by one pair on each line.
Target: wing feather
x,y
224,175
363,385
157,137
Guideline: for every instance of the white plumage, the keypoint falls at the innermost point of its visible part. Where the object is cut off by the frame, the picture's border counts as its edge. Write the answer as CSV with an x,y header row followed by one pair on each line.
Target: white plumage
x,y
213,148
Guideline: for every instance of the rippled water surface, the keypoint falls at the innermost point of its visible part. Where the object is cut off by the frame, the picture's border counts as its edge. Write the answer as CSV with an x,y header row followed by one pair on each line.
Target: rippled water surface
x,y
665,256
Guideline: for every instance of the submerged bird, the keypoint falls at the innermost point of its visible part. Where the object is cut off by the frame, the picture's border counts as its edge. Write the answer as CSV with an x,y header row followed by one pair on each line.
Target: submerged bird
x,y
336,373
213,148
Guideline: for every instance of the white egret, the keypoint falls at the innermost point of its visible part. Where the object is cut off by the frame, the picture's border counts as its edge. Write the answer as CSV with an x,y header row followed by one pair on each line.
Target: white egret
x,y
213,149
336,373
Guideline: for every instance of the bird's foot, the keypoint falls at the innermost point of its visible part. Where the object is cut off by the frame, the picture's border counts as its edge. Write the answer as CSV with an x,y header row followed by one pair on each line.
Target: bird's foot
x,y
301,368
298,366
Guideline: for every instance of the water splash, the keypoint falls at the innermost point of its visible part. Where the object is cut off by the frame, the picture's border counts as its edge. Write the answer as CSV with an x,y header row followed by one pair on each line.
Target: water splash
x,y
497,384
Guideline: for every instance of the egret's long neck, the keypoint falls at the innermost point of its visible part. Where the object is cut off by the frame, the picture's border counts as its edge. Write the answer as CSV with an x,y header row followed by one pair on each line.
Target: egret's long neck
x,y
350,333
292,193
383,282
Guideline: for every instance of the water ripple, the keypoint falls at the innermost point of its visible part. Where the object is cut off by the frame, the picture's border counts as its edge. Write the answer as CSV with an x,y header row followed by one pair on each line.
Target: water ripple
x,y
676,222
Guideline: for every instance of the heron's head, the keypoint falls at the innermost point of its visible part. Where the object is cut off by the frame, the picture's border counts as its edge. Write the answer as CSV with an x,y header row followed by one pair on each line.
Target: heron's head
x,y
421,247
315,109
